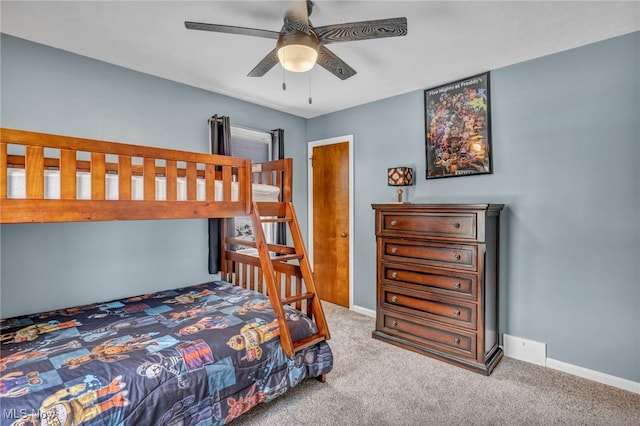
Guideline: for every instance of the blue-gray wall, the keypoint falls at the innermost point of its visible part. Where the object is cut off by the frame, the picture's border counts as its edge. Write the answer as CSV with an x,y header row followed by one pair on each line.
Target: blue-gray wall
x,y
46,266
566,145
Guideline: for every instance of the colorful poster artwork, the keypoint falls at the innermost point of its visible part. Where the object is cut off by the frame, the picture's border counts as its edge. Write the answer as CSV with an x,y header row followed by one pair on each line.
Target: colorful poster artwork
x,y
458,133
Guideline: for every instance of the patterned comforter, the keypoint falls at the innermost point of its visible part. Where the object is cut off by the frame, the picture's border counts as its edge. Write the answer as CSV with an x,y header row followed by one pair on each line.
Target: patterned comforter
x,y
200,355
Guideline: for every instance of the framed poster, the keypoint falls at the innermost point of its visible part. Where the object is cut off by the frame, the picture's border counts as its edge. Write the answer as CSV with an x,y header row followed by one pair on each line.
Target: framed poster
x,y
458,128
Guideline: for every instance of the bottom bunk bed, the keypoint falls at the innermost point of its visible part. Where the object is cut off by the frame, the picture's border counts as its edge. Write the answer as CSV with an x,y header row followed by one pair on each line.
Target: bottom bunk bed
x,y
199,355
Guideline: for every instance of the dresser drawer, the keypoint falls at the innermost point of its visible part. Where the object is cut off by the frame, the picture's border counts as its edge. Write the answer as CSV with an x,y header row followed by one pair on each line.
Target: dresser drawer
x,y
445,283
444,225
459,256
449,311
428,334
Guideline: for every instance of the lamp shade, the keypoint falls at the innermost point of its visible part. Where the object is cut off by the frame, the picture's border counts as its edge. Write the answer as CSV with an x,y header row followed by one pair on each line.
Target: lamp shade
x,y
297,57
297,52
400,176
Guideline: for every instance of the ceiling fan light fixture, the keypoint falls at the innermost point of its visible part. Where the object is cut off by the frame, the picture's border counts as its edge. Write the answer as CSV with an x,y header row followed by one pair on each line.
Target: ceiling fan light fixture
x,y
298,52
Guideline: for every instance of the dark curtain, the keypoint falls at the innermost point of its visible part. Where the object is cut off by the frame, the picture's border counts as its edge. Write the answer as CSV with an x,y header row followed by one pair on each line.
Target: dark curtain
x,y
277,149
220,137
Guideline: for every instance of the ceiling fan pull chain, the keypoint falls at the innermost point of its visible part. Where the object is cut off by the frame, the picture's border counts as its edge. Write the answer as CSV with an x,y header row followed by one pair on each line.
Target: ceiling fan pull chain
x,y
310,99
284,84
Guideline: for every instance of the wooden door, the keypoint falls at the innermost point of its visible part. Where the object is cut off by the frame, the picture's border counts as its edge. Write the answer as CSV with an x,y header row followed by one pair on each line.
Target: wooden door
x,y
330,164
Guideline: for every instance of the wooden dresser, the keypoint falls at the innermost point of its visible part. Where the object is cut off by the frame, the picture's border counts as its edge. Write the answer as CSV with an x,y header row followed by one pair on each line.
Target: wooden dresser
x,y
437,281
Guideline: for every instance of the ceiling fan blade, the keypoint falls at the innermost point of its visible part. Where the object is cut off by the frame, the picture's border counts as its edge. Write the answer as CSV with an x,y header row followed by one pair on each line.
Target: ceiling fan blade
x,y
265,64
297,17
229,29
364,30
310,5
336,66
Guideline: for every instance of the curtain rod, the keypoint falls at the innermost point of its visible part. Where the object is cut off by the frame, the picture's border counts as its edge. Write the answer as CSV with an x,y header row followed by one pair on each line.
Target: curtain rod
x,y
251,129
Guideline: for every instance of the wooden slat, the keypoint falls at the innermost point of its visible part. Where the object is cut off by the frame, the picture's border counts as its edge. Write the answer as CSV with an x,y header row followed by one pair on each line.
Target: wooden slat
x,y
210,177
17,161
124,177
192,188
241,242
39,210
272,209
226,179
68,174
236,278
287,287
287,257
246,190
225,268
298,297
280,249
34,164
252,278
308,341
98,171
275,248
278,183
3,170
298,291
22,137
280,267
149,179
245,283
172,180
287,182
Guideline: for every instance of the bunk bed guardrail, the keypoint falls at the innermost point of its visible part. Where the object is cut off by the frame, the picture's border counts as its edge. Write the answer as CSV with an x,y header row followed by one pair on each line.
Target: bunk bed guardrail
x,y
226,181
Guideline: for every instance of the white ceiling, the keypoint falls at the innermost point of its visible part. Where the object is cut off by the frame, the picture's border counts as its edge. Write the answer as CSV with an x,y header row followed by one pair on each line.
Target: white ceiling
x,y
446,41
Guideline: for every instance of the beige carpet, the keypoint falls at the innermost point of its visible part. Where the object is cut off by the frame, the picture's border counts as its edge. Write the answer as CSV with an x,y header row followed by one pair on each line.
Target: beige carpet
x,y
374,383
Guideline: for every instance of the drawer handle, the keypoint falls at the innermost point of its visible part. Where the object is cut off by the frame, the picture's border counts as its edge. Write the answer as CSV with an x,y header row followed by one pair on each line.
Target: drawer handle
x,y
394,275
456,341
394,323
458,256
457,285
456,225
394,222
394,250
394,299
456,313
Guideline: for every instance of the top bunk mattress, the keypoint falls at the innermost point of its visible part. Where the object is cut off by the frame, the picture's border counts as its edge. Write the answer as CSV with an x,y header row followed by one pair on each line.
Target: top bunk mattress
x,y
16,187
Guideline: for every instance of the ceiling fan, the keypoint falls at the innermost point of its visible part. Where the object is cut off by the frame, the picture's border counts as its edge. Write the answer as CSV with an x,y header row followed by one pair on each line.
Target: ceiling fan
x,y
300,45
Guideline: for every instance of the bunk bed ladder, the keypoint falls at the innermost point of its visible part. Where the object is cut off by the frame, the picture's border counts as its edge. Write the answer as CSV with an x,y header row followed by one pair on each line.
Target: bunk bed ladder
x,y
274,257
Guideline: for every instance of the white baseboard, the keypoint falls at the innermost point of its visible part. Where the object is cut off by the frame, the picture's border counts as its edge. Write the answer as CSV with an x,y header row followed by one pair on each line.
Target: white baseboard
x,y
536,353
525,350
596,376
364,311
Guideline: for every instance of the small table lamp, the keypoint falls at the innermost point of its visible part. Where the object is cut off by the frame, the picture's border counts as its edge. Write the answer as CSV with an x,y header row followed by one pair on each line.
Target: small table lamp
x,y
400,176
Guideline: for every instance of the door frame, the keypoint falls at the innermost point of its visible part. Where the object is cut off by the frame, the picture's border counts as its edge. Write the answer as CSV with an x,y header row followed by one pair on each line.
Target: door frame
x,y
310,146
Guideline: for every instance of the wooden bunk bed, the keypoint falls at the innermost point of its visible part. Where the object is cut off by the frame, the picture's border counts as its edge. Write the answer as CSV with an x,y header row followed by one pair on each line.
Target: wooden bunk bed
x,y
229,344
